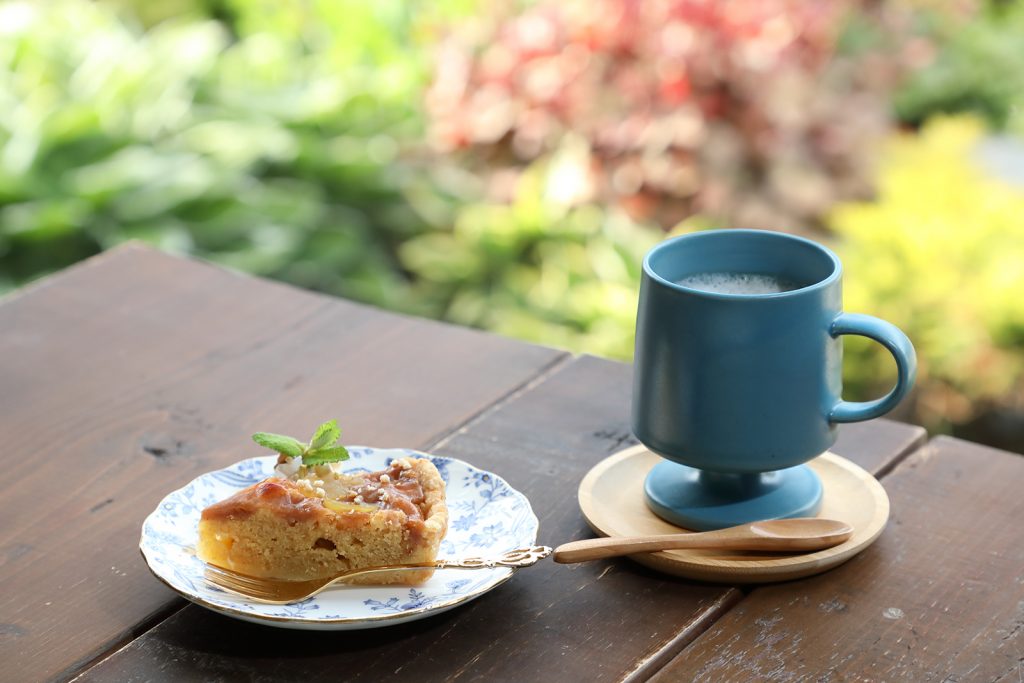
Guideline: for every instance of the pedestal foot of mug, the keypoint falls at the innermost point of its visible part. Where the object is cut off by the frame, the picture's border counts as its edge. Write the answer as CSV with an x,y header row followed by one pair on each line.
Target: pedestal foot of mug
x,y
702,501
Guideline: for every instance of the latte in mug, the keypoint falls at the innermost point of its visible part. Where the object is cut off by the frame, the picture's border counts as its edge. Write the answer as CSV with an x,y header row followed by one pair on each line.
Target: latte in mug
x,y
737,283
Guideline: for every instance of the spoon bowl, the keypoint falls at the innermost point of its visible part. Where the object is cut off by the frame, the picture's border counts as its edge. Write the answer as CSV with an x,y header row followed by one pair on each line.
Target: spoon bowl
x,y
811,529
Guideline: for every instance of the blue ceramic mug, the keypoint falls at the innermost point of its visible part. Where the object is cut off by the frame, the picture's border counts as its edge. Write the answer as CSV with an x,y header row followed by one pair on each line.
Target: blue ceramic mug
x,y
737,390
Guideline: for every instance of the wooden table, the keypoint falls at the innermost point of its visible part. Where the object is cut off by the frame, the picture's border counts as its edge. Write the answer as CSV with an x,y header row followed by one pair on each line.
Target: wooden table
x,y
127,375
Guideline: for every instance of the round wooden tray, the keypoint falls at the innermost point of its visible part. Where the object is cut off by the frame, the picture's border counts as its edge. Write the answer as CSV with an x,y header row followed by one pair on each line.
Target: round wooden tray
x,y
611,497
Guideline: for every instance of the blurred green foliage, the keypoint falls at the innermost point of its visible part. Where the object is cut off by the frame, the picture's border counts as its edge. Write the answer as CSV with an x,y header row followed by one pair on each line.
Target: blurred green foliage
x,y
268,151
287,138
538,267
939,252
977,66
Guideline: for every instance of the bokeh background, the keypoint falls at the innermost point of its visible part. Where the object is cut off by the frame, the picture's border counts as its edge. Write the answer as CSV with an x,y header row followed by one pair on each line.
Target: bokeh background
x,y
505,165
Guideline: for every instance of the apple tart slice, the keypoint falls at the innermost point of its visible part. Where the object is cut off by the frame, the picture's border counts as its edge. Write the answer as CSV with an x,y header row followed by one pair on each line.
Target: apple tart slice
x,y
313,520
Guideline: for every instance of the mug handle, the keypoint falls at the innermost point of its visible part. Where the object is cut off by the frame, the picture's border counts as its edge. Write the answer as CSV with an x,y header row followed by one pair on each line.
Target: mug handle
x,y
889,336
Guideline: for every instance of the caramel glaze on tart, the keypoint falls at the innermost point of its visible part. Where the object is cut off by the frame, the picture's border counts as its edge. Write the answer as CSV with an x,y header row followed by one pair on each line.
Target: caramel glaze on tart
x,y
279,528
400,491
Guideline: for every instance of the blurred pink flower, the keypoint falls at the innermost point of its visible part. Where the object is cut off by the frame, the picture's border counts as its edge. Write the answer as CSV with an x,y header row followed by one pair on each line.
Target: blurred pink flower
x,y
685,105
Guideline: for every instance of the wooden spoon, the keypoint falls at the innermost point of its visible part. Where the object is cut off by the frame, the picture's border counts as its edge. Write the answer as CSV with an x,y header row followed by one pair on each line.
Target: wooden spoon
x,y
799,534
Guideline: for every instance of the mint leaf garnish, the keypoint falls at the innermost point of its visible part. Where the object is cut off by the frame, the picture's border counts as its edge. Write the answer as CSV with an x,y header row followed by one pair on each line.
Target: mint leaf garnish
x,y
326,434
319,456
285,445
319,451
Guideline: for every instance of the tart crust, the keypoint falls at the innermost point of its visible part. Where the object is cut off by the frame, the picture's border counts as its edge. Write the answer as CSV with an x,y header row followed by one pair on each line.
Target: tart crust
x,y
283,529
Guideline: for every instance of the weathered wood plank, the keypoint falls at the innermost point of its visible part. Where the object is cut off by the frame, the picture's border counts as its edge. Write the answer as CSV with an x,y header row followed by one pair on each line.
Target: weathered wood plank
x,y
126,376
598,621
939,597
878,445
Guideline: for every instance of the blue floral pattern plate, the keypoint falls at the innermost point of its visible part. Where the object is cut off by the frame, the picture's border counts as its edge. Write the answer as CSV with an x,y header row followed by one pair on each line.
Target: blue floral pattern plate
x,y
487,517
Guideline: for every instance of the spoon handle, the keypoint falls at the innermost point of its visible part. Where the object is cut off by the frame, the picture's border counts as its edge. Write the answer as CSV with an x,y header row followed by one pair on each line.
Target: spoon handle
x,y
599,548
743,537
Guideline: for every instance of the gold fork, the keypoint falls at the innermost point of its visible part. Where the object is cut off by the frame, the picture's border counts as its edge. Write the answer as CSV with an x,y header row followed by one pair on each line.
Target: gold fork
x,y
277,592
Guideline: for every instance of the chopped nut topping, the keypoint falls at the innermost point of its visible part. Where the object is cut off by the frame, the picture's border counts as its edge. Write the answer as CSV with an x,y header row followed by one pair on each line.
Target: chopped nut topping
x,y
384,479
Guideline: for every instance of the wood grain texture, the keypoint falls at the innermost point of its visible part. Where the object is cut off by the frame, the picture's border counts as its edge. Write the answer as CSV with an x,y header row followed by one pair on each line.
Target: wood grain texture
x,y
599,621
128,375
878,445
939,597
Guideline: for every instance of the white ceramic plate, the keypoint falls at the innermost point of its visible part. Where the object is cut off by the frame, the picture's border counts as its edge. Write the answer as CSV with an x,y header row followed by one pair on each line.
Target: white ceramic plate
x,y
487,517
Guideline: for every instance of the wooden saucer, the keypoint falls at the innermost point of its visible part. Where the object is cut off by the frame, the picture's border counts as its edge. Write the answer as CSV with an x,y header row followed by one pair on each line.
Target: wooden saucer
x,y
611,497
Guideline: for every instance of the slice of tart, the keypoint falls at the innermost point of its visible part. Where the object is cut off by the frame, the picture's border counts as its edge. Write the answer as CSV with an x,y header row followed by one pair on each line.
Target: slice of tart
x,y
314,521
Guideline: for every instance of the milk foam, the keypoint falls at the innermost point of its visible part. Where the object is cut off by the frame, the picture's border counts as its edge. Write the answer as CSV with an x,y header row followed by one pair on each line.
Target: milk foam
x,y
737,283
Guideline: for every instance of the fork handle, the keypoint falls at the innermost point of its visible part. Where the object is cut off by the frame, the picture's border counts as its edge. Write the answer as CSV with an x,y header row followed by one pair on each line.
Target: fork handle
x,y
269,591
513,559
520,557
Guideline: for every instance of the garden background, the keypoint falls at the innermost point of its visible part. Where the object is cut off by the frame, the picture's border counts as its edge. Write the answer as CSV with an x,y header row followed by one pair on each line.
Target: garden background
x,y
505,165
